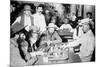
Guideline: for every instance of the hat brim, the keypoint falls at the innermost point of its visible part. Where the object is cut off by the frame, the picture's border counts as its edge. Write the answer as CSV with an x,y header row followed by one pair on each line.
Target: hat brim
x,y
51,27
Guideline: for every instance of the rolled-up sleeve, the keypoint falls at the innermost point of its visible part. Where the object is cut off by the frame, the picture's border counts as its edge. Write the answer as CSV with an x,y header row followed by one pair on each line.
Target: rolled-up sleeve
x,y
57,38
17,20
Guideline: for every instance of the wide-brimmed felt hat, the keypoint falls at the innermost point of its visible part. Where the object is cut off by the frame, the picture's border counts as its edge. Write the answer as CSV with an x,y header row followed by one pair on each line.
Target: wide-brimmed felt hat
x,y
52,25
27,8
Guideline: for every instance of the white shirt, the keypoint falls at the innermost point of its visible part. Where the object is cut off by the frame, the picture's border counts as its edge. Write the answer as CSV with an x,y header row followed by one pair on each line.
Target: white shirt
x,y
39,21
27,21
66,26
54,25
73,18
87,42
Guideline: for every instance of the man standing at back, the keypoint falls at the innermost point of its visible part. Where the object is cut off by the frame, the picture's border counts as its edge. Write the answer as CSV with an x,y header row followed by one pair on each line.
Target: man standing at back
x,y
24,20
39,19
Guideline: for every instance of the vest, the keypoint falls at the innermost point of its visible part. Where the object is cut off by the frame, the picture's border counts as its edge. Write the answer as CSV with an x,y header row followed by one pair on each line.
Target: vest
x,y
22,20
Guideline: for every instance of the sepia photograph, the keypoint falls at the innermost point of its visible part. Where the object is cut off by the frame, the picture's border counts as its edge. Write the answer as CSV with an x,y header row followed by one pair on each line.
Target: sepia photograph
x,y
45,33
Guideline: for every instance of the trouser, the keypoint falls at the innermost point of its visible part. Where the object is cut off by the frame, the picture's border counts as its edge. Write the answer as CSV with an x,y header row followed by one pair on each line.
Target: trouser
x,y
32,48
86,59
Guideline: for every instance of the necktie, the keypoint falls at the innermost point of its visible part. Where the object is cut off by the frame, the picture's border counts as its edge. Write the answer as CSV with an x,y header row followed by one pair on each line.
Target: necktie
x,y
77,31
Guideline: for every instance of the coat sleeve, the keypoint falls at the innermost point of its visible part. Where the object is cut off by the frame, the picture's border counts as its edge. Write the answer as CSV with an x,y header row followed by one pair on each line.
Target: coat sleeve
x,y
62,26
24,50
74,43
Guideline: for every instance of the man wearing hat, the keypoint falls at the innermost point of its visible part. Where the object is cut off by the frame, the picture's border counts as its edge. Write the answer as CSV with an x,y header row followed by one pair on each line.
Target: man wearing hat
x,y
33,37
88,19
87,42
24,20
51,36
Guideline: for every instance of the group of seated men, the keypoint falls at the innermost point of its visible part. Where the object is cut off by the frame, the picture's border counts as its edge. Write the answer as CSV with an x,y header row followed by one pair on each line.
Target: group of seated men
x,y
34,33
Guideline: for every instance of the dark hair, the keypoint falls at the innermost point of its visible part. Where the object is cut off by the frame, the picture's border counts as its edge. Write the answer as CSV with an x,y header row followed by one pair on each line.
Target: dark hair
x,y
79,18
30,34
89,13
40,6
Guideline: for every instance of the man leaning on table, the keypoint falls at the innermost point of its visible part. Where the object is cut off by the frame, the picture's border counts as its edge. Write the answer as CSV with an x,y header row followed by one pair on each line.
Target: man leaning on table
x,y
51,36
87,42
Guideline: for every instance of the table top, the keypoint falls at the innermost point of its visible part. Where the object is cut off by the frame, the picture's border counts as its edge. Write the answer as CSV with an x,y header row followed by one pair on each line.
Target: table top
x,y
73,58
64,33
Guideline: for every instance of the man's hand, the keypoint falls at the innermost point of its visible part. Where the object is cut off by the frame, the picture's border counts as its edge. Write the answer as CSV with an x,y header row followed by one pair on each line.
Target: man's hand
x,y
27,57
33,54
32,61
67,45
73,44
49,42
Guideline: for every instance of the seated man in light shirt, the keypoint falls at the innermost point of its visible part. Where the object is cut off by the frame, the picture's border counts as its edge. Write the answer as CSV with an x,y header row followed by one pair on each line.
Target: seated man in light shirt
x,y
39,19
87,42
51,36
66,25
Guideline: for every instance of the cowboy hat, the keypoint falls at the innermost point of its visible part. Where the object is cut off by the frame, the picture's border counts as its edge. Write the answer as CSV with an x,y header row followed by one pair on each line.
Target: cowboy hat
x,y
27,8
52,25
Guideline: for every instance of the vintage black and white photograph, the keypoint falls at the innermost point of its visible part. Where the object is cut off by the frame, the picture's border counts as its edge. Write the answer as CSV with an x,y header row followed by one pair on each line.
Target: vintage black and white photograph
x,y
45,33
